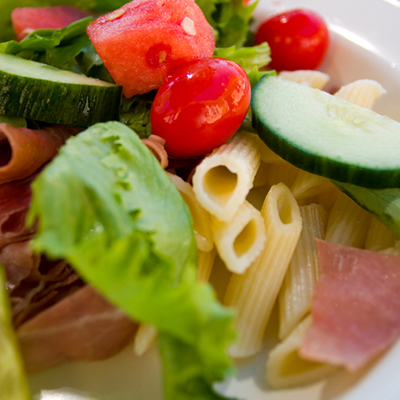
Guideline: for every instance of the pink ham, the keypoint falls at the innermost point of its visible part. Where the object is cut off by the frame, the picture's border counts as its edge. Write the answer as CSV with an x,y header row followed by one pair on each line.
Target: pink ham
x,y
23,150
356,306
15,199
82,327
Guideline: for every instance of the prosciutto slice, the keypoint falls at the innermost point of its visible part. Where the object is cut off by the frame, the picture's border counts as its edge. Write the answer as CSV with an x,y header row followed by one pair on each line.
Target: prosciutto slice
x,y
23,150
15,199
356,306
83,326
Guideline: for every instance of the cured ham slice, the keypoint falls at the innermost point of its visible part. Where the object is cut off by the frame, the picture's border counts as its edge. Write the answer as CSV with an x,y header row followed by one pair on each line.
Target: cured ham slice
x,y
15,198
82,327
23,150
356,306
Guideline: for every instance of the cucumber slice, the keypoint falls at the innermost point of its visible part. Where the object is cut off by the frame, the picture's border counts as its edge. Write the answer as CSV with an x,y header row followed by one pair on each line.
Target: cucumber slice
x,y
326,135
41,92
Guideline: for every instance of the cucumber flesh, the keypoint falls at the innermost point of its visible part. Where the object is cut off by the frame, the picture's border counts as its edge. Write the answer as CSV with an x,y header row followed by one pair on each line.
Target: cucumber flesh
x,y
326,135
41,92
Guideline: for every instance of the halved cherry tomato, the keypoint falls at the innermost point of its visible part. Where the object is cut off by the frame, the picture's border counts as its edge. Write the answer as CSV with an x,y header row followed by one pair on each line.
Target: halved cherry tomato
x,y
200,105
298,39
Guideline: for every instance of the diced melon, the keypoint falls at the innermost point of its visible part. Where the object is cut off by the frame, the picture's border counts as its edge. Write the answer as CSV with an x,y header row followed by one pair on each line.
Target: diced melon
x,y
143,41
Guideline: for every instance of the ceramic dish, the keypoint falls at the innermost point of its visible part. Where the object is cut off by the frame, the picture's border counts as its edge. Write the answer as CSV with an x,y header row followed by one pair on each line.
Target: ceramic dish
x,y
365,44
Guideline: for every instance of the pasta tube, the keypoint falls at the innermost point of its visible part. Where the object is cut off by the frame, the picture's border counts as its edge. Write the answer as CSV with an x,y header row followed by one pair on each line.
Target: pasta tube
x,y
307,185
253,294
240,240
206,262
285,368
145,337
201,218
347,223
314,79
363,92
297,289
222,180
379,236
266,154
285,173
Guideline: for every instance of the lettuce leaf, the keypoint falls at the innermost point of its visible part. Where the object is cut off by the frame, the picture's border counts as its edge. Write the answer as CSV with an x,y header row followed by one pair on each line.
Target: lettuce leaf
x,y
251,59
135,113
6,6
230,20
13,382
105,204
68,49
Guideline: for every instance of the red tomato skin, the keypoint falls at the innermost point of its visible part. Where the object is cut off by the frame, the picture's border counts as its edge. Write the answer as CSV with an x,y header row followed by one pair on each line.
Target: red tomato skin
x,y
27,19
200,106
144,40
298,39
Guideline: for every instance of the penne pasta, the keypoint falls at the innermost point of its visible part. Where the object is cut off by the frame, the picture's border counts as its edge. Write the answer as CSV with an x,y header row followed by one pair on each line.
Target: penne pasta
x,y
312,78
201,218
308,185
286,369
328,197
295,296
145,337
363,92
253,294
379,236
285,173
240,240
222,180
347,223
261,178
266,154
205,264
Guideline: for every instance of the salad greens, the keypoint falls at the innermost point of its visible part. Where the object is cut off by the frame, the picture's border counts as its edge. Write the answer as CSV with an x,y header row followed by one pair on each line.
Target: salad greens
x,y
6,30
106,206
68,49
251,59
13,382
96,207
230,20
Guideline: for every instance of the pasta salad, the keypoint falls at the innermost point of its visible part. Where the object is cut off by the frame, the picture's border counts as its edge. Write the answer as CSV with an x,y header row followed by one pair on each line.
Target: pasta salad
x,y
102,224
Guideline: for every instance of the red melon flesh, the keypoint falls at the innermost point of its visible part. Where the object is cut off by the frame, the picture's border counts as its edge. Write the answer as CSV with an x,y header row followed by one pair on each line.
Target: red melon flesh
x,y
27,19
143,41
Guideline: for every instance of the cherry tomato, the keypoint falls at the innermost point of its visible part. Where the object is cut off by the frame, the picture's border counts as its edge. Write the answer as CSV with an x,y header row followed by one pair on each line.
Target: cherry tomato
x,y
298,39
200,105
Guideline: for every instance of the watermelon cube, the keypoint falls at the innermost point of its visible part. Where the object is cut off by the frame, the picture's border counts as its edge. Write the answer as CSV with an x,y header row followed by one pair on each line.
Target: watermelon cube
x,y
144,40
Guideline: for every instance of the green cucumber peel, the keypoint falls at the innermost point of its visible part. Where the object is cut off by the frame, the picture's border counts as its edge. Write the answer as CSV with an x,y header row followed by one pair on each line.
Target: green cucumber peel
x,y
325,135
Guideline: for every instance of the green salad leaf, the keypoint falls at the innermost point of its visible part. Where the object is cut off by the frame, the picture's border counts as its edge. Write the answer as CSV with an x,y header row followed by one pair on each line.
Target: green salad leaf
x,y
105,205
6,30
68,49
230,20
13,383
135,113
251,59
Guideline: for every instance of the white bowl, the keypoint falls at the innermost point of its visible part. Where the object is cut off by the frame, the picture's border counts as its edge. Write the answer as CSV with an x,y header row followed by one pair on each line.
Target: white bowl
x,y
365,44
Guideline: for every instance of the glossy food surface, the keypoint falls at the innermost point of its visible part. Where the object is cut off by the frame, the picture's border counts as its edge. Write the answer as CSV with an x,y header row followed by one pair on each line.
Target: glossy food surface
x,y
200,106
298,39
